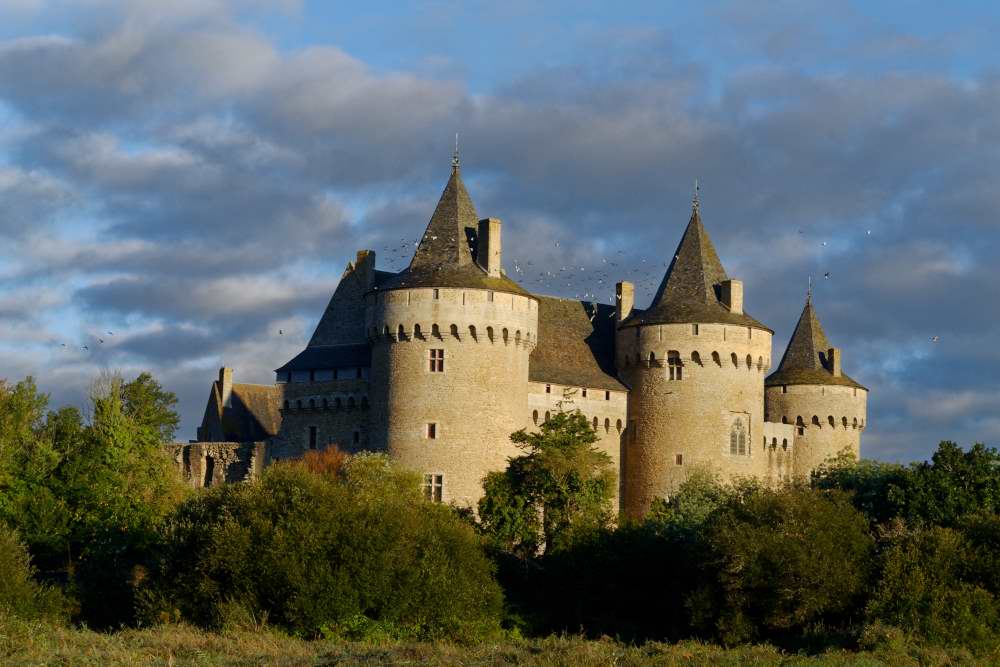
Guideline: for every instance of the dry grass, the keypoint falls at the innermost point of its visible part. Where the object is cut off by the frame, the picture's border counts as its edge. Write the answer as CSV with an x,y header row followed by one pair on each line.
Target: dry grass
x,y
23,643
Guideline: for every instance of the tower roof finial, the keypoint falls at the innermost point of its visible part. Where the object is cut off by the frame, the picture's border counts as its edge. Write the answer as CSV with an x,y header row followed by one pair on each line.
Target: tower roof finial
x,y
695,204
809,291
454,156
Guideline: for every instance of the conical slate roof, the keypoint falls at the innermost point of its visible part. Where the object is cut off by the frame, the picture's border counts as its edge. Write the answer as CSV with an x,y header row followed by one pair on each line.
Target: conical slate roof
x,y
805,360
444,255
692,286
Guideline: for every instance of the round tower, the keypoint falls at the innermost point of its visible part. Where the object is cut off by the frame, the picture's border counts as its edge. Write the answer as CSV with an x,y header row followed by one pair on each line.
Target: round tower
x,y
810,391
451,336
695,365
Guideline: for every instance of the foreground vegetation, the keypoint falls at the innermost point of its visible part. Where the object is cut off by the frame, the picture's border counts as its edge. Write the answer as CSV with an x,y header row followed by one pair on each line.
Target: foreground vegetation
x,y
337,559
34,644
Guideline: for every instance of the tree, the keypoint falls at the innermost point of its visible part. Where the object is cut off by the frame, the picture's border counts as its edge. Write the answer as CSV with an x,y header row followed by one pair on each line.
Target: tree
x,y
559,489
150,406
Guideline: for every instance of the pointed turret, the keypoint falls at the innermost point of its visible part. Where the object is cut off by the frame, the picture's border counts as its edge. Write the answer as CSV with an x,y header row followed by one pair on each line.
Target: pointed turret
x,y
445,255
693,288
809,357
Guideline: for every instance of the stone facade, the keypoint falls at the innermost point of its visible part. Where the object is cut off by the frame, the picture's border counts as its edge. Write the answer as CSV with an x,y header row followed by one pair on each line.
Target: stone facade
x,y
438,364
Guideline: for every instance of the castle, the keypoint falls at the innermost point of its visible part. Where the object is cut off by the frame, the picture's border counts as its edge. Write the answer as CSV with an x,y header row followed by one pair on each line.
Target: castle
x,y
439,363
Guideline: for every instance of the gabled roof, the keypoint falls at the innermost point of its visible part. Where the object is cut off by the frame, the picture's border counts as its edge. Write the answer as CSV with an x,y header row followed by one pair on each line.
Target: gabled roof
x,y
691,288
253,414
576,345
805,360
327,357
444,255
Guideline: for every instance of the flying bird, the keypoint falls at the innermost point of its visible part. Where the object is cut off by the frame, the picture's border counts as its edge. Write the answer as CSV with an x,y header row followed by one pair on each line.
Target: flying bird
x,y
935,339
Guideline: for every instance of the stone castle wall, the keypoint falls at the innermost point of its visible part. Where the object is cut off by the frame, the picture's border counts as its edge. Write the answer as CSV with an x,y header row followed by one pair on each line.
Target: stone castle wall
x,y
206,464
677,426
827,420
474,404
338,409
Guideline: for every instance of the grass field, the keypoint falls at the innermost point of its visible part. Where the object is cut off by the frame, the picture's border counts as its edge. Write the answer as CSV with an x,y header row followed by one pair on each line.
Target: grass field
x,y
24,643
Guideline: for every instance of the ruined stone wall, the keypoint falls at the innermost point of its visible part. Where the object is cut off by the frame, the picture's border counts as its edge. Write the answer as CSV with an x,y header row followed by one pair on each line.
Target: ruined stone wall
x,y
677,426
605,410
206,464
339,410
475,404
827,419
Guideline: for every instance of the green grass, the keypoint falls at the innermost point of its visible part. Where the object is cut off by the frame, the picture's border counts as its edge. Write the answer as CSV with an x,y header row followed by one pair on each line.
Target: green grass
x,y
32,643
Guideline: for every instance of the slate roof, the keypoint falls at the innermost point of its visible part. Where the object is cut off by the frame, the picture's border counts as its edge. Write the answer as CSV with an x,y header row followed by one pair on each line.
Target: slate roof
x,y
691,288
253,413
444,256
805,359
574,348
325,357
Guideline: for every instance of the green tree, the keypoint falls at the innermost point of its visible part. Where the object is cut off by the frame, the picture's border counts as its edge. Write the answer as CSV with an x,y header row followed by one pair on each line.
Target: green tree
x,y
780,562
558,490
150,406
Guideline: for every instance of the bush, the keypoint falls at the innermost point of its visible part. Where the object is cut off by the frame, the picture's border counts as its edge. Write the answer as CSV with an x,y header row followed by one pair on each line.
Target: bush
x,y
925,588
781,565
20,594
334,552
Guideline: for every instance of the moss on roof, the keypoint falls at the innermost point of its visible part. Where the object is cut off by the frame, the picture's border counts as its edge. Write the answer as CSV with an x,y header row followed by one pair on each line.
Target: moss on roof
x,y
576,345
691,288
805,360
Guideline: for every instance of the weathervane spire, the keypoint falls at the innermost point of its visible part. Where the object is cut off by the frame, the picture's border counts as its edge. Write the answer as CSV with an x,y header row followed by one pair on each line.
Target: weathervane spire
x,y
809,291
695,204
454,156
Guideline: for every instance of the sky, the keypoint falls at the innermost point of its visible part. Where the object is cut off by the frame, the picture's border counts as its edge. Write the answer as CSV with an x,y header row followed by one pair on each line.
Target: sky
x,y
181,181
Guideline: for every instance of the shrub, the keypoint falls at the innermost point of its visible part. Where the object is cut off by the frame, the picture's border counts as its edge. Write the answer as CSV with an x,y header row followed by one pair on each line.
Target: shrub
x,y
20,594
781,563
316,553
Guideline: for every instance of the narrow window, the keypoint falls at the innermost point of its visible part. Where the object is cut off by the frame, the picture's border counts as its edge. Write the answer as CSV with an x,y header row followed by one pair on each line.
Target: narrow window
x,y
618,425
738,438
584,392
437,293
400,332
607,424
696,358
313,437
652,359
784,444
489,297
679,458
784,389
800,425
595,424
607,396
454,330
547,415
435,331
736,362
815,420
209,471
489,333
694,329
675,367
534,417
437,361
416,331
843,420
548,389
716,359
434,487
432,430
832,422
749,362
855,422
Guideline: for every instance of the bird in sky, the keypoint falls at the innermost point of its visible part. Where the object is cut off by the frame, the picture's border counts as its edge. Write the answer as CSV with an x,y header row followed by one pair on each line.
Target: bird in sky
x,y
935,339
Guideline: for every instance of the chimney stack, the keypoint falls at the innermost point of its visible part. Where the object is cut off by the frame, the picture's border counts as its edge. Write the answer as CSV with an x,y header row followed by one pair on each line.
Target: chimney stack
x,y
833,358
732,295
624,300
488,246
226,386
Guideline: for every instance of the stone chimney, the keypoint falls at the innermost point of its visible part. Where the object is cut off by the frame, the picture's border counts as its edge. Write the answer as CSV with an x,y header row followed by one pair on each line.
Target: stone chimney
x,y
732,295
488,246
226,386
833,359
364,266
624,300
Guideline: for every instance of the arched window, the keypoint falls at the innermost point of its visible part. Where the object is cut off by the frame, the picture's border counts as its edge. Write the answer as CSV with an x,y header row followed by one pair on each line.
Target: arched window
x,y
517,337
675,368
855,422
784,420
652,359
784,444
400,333
547,415
312,402
774,443
489,333
843,420
716,359
287,405
505,335
472,331
696,358
738,438
607,424
800,425
534,416
736,361
385,330
618,425
831,420
815,420
416,331
351,403
595,423
749,362
760,363
454,330
435,331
